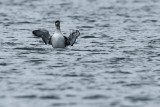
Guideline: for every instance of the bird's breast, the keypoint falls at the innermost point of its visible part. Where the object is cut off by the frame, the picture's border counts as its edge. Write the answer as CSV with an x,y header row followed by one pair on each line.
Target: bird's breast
x,y
58,41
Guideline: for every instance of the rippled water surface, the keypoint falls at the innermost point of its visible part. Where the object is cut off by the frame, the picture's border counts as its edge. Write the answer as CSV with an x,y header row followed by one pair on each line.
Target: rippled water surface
x,y
115,62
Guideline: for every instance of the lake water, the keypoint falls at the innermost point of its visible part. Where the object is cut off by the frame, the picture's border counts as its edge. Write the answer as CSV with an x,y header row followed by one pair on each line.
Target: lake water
x,y
115,62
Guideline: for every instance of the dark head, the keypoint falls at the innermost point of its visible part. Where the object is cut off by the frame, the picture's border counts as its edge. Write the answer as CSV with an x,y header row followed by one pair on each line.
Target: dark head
x,y
57,24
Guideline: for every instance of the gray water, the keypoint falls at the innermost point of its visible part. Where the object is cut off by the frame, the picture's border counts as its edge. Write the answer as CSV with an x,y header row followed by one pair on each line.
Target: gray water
x,y
115,62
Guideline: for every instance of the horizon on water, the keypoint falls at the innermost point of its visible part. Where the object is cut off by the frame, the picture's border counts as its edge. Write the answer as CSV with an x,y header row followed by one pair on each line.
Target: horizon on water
x,y
115,61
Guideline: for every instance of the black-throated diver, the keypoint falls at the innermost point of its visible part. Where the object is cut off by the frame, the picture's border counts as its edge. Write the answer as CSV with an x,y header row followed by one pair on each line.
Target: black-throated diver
x,y
57,40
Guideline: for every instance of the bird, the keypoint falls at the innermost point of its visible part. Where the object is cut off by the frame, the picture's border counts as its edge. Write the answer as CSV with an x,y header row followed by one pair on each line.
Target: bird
x,y
57,40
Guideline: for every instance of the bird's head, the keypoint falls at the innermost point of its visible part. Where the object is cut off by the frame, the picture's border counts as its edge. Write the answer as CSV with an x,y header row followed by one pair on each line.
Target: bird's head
x,y
57,23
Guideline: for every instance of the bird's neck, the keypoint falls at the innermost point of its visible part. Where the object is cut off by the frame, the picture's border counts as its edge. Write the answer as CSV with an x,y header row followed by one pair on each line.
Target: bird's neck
x,y
58,30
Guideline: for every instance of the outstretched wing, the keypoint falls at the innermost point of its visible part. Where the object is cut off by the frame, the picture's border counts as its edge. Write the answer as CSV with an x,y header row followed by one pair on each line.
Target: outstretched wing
x,y
44,34
72,38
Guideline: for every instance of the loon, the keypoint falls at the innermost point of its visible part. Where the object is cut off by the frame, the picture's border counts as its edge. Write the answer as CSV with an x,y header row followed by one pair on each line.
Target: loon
x,y
57,40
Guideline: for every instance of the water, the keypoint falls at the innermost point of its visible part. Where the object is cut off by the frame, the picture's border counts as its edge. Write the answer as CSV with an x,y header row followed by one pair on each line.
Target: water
x,y
115,62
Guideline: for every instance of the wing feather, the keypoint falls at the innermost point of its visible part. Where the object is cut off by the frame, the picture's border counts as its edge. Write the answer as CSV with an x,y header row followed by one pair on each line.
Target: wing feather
x,y
72,38
44,34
